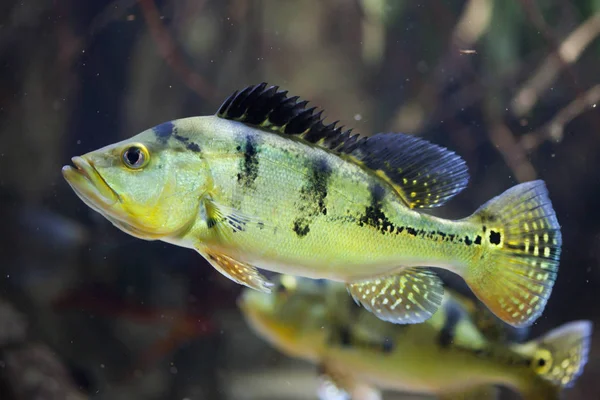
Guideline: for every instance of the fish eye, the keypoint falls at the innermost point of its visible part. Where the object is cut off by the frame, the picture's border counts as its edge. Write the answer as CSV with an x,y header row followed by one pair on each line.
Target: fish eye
x,y
135,156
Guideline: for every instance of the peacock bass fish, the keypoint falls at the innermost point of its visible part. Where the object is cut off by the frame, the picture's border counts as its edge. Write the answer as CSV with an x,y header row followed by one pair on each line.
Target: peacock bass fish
x,y
265,183
461,352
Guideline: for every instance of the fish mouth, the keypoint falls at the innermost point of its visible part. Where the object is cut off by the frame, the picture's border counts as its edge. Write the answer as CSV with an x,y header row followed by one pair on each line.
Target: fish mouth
x,y
92,189
89,186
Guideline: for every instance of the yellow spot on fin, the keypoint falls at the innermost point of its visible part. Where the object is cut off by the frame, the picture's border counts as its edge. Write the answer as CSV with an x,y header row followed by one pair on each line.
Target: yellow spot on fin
x,y
517,268
408,297
239,272
560,356
486,392
424,175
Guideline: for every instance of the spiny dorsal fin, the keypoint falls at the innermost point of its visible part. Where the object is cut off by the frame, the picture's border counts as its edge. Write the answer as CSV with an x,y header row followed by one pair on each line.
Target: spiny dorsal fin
x,y
271,109
423,174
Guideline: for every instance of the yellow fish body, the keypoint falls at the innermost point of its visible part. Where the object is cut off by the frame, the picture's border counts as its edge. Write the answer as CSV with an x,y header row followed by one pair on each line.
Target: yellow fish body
x,y
446,356
266,184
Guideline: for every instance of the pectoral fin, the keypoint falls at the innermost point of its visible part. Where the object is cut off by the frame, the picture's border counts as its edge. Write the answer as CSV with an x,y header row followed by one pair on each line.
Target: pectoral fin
x,y
479,393
239,272
408,297
337,385
229,220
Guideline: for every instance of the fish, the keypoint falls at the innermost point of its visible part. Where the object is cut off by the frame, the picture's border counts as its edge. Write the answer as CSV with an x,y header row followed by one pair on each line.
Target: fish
x,y
447,356
265,183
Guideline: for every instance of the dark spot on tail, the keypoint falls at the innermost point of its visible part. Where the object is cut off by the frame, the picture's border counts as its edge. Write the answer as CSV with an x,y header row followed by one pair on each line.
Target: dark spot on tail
x,y
164,131
495,237
468,241
541,362
478,240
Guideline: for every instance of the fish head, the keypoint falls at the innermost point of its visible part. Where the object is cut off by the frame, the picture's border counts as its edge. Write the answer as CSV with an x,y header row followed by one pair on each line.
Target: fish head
x,y
148,187
293,318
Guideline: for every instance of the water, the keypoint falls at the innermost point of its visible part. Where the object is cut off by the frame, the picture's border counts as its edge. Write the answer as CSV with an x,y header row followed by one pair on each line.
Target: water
x,y
108,316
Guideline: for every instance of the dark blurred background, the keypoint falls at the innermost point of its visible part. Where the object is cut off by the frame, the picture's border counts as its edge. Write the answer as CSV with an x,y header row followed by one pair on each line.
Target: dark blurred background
x,y
89,312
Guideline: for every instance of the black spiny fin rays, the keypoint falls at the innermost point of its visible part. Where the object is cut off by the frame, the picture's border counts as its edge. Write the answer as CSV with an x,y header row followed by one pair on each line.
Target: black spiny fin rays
x,y
423,174
271,109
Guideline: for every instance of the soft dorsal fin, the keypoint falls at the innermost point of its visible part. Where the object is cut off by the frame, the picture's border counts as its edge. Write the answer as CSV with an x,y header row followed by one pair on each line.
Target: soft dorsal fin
x,y
423,174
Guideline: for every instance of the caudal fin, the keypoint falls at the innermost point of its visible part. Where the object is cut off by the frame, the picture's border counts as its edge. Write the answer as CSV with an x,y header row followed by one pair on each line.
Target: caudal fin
x,y
521,245
560,356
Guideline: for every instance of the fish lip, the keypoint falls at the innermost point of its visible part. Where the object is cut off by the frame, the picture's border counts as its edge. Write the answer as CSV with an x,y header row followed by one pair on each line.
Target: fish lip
x,y
94,191
87,182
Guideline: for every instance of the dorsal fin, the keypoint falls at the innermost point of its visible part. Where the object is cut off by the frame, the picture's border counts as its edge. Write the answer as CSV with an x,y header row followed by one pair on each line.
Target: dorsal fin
x,y
270,109
423,174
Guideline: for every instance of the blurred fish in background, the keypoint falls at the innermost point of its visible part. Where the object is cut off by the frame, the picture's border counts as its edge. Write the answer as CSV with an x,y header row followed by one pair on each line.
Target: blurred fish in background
x,y
448,355
511,86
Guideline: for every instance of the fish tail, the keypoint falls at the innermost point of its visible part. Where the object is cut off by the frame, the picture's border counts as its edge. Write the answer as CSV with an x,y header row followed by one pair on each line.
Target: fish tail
x,y
559,356
520,250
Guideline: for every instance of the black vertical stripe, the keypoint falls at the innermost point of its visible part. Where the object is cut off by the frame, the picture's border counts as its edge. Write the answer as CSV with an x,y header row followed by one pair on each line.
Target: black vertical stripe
x,y
249,163
374,215
313,195
318,184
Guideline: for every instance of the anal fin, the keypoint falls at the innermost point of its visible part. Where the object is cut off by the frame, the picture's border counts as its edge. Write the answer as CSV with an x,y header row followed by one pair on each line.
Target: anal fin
x,y
335,384
410,296
239,272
